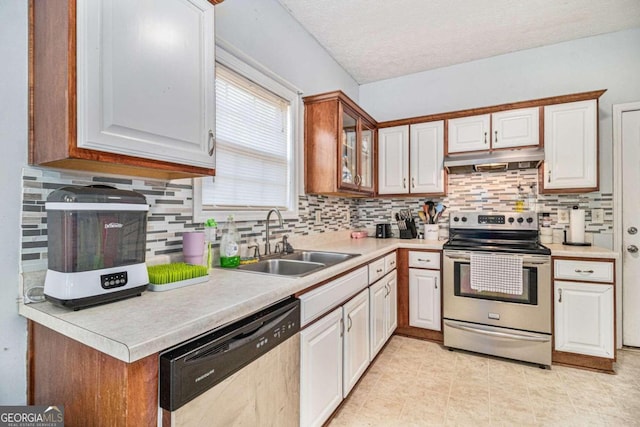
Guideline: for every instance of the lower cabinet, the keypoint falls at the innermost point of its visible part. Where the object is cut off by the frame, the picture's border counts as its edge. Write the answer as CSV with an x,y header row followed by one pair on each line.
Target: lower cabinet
x,y
584,316
356,340
424,299
334,355
584,312
321,369
384,315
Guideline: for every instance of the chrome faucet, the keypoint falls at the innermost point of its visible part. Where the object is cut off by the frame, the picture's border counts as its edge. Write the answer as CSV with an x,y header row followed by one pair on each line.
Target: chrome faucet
x,y
267,246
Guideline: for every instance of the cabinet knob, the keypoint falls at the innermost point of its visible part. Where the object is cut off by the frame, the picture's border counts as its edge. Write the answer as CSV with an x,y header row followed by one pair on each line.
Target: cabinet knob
x,y
357,180
632,249
632,230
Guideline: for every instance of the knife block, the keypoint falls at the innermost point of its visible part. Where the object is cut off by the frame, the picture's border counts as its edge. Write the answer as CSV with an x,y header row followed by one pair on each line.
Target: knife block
x,y
407,229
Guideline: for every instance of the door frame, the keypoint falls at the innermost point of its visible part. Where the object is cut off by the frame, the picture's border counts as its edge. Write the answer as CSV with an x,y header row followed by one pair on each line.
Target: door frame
x,y
618,110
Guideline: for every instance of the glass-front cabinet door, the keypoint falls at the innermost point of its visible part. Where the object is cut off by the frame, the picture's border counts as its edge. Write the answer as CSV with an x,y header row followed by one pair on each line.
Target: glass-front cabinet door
x,y
349,151
367,142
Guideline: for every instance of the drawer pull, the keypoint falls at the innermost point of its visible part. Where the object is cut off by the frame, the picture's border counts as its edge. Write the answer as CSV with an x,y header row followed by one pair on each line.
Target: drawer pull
x,y
424,260
379,270
584,271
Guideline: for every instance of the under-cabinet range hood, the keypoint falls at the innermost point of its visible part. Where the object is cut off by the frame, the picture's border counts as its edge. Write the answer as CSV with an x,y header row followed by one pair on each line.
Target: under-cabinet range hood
x,y
524,158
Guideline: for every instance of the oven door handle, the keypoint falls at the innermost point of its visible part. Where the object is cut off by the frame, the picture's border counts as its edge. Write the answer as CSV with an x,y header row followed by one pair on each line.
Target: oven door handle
x,y
524,263
519,337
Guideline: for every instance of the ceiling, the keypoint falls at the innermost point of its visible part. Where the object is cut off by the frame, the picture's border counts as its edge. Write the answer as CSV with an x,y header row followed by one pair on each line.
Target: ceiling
x,y
380,39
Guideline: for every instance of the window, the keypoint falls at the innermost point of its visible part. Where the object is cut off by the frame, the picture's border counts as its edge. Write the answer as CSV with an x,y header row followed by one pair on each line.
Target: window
x,y
255,157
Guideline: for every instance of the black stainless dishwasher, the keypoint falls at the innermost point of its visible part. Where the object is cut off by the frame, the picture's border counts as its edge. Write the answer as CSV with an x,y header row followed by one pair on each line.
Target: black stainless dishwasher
x,y
243,373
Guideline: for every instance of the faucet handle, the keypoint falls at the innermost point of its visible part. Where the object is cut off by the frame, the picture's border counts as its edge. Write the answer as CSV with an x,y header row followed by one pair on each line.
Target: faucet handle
x,y
286,246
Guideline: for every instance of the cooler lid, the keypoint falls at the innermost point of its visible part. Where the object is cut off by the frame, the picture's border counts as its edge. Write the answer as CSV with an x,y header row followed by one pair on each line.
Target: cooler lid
x,y
93,194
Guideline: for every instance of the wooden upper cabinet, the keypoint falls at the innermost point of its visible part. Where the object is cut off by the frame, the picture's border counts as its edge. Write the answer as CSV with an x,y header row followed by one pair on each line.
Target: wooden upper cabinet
x,y
503,129
340,141
118,87
571,147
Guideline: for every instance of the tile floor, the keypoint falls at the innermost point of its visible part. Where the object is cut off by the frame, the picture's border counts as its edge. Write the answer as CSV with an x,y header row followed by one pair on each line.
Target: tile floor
x,y
418,383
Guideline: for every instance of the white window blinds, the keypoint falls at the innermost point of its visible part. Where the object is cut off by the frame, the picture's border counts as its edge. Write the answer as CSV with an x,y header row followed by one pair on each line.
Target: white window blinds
x,y
253,158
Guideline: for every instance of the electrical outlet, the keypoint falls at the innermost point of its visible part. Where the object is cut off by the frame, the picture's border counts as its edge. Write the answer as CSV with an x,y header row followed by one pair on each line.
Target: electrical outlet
x,y
318,216
597,216
563,216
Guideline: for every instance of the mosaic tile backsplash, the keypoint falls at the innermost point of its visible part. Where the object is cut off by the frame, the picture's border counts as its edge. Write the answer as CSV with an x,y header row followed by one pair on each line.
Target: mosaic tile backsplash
x,y
171,203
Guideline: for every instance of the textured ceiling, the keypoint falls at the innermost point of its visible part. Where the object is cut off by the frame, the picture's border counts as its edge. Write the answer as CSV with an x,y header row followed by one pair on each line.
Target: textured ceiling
x,y
381,39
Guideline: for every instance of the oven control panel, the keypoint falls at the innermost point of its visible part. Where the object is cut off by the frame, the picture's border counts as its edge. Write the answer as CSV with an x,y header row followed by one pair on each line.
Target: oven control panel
x,y
486,220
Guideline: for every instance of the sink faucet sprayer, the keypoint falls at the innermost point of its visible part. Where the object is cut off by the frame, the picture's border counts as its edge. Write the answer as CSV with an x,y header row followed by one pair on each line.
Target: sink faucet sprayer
x,y
267,246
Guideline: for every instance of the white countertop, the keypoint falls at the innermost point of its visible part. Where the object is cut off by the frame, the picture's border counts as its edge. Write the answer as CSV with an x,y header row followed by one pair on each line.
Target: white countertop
x,y
137,327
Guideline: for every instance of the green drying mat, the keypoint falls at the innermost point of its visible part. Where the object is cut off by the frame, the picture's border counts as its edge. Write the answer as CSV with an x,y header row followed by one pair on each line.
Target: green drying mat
x,y
165,277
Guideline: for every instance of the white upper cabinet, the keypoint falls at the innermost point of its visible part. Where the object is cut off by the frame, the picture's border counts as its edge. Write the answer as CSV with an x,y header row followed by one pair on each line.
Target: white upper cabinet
x,y
469,133
146,78
571,147
515,128
426,158
393,160
411,159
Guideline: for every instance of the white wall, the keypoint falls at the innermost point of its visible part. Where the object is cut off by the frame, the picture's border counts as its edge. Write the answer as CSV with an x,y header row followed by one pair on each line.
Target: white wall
x,y
13,140
610,61
267,33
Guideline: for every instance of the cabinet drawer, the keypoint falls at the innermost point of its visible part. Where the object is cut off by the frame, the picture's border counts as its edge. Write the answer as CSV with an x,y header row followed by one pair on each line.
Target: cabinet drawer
x,y
376,270
317,302
424,260
590,271
390,262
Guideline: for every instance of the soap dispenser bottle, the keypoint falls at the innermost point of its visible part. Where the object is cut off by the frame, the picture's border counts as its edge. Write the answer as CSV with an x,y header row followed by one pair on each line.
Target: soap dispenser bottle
x,y
230,245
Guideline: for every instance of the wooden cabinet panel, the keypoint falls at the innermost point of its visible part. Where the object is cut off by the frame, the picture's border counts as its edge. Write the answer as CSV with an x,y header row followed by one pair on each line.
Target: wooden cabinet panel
x,y
356,340
321,369
469,134
111,106
515,128
584,315
424,299
571,147
340,142
91,385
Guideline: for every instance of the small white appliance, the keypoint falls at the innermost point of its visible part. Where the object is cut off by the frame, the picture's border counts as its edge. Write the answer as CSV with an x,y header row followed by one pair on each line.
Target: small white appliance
x,y
96,245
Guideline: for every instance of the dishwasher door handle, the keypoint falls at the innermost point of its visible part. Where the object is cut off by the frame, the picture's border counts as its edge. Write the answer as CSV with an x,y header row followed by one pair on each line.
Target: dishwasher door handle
x,y
517,337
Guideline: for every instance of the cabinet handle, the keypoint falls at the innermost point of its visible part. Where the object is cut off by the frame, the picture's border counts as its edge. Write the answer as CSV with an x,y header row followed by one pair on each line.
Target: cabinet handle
x,y
413,182
584,271
549,176
424,260
388,290
341,327
485,137
212,143
357,180
379,270
496,139
404,182
350,322
436,285
560,295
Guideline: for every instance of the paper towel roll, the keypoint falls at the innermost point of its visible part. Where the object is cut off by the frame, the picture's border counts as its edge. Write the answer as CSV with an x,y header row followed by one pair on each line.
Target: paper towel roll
x,y
576,226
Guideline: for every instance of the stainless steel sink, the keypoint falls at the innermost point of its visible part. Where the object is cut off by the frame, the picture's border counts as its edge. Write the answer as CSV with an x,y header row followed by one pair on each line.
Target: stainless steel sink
x,y
297,264
283,267
327,258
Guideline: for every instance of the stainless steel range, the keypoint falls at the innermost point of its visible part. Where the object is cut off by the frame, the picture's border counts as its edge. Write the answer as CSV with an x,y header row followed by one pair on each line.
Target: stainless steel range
x,y
497,286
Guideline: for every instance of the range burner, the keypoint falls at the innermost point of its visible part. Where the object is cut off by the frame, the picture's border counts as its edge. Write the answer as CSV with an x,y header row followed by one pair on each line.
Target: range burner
x,y
511,232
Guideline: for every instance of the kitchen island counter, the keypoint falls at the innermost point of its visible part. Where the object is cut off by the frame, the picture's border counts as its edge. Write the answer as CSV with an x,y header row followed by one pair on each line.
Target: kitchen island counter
x,y
137,327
